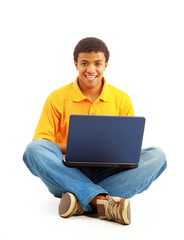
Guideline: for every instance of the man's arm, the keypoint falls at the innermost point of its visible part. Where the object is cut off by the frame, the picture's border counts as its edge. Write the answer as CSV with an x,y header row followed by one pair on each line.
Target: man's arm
x,y
62,147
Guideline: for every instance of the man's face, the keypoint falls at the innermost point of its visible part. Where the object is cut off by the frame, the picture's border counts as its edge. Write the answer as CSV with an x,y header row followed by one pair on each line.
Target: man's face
x,y
91,67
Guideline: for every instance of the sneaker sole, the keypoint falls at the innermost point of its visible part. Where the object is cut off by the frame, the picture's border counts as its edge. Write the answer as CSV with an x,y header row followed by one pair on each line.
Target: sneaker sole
x,y
67,205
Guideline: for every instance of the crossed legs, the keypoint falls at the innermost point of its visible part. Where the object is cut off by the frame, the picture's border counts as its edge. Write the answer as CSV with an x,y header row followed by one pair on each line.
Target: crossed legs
x,y
44,160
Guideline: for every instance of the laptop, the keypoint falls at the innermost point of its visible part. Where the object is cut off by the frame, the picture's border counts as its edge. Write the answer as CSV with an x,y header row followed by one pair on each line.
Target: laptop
x,y
104,141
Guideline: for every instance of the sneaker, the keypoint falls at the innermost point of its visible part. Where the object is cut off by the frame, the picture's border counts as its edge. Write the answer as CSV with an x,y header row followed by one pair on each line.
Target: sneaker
x,y
69,205
115,209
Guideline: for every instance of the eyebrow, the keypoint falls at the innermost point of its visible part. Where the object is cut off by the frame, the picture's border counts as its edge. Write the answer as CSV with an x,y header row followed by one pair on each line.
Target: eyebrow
x,y
87,61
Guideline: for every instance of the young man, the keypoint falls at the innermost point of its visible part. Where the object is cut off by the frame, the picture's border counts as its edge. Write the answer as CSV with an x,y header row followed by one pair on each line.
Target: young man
x,y
85,189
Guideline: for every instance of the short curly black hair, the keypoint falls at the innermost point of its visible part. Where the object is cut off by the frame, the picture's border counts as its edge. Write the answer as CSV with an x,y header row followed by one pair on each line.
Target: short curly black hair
x,y
91,44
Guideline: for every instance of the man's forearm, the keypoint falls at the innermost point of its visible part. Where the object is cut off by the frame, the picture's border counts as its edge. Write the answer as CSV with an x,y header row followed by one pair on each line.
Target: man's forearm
x,y
62,147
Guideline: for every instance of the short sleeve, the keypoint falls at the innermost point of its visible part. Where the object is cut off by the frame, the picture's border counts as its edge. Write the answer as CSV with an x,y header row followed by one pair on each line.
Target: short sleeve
x,y
48,125
127,107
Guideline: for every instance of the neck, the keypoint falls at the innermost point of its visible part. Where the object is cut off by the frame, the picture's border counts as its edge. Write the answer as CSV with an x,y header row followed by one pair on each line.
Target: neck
x,y
91,93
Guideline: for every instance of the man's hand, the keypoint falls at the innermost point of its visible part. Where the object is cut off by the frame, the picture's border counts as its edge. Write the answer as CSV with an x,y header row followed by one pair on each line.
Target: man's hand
x,y
62,146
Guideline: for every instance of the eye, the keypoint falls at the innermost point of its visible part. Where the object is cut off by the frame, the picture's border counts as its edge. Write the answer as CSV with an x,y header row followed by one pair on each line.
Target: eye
x,y
84,64
98,64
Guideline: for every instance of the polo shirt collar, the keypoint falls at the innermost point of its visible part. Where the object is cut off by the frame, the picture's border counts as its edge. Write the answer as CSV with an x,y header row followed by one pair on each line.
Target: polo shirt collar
x,y
78,96
105,93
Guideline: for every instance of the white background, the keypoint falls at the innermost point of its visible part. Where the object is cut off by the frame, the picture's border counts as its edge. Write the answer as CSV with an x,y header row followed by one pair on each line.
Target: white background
x,y
146,43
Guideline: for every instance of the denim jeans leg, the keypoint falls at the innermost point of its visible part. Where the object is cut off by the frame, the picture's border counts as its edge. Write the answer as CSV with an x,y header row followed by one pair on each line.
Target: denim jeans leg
x,y
134,181
44,160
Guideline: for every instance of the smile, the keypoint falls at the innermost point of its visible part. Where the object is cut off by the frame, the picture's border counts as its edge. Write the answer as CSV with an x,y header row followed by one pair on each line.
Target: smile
x,y
91,78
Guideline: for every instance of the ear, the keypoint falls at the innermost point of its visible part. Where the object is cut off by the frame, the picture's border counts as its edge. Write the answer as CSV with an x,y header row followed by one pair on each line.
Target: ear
x,y
76,65
106,64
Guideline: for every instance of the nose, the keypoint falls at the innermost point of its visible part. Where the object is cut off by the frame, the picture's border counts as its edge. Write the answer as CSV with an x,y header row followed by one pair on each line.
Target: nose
x,y
91,68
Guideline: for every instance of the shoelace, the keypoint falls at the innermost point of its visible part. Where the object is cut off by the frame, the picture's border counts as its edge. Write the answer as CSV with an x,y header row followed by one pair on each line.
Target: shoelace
x,y
113,209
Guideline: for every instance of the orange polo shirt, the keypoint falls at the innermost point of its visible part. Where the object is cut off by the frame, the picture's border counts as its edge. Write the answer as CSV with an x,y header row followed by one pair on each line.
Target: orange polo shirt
x,y
67,100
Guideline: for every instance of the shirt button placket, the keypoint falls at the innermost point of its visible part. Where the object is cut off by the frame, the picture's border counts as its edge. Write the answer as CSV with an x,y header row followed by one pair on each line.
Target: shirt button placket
x,y
92,110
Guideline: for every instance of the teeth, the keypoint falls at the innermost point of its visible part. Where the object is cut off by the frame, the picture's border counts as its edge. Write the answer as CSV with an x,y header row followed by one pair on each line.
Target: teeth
x,y
91,77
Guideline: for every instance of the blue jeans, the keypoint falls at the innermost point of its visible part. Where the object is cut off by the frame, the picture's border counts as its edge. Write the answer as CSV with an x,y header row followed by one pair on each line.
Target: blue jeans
x,y
44,160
